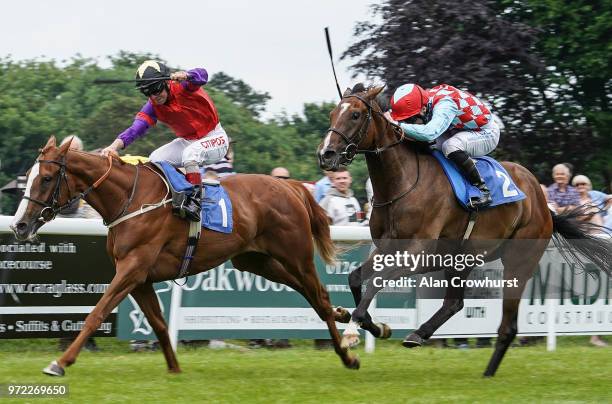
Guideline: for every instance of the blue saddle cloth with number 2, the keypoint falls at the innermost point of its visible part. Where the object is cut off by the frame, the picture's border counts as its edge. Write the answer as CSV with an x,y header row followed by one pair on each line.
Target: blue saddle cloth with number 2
x,y
216,205
502,187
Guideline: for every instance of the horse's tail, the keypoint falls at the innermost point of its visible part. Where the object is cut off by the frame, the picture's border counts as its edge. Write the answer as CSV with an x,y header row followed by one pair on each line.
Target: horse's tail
x,y
319,224
590,240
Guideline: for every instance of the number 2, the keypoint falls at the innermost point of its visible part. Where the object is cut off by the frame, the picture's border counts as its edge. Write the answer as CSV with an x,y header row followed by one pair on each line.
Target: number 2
x,y
506,187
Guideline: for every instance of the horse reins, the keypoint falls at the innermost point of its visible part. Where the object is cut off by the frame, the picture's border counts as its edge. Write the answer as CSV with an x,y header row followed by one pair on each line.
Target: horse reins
x,y
352,149
53,207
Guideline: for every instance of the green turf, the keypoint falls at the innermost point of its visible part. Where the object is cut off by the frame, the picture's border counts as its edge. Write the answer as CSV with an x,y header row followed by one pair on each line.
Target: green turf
x,y
576,372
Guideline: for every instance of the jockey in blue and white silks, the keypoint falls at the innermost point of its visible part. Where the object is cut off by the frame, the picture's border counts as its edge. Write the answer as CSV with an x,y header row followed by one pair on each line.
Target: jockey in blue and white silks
x,y
460,124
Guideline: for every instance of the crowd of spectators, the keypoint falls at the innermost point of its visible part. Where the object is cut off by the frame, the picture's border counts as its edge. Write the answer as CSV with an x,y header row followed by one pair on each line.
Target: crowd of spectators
x,y
561,196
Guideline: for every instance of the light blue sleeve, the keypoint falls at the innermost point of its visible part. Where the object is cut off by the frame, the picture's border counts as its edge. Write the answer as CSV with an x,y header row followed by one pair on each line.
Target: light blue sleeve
x,y
443,114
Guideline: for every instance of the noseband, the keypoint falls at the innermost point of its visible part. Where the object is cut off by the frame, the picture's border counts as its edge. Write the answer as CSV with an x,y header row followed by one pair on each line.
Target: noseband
x,y
52,208
351,148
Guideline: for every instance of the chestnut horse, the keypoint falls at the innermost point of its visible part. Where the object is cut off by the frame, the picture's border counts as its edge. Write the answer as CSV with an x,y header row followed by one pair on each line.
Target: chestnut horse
x,y
275,222
414,203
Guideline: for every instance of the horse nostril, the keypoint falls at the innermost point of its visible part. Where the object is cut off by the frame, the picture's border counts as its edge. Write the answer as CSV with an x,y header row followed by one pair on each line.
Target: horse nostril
x,y
21,226
329,154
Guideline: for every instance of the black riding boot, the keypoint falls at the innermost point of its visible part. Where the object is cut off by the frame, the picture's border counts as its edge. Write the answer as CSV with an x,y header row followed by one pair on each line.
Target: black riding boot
x,y
193,205
468,167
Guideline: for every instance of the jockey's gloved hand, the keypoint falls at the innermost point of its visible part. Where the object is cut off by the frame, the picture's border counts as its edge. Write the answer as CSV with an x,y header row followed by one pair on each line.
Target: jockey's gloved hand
x,y
179,76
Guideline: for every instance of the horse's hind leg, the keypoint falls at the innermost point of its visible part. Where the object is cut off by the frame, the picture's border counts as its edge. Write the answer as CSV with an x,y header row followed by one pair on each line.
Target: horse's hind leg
x,y
453,303
147,300
306,283
520,267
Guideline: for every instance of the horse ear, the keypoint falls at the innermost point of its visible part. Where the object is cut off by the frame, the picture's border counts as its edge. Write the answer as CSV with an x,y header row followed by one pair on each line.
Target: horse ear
x,y
373,92
347,92
51,142
64,148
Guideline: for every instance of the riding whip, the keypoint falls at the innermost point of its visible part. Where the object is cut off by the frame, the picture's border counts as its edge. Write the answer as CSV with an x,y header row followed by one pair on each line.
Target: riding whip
x,y
331,58
113,81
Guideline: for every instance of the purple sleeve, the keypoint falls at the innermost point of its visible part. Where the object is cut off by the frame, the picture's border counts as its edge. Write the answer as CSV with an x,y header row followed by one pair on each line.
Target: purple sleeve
x,y
196,78
144,120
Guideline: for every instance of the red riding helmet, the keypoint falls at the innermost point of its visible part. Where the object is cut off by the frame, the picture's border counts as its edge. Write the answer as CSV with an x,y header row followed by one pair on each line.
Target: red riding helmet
x,y
407,101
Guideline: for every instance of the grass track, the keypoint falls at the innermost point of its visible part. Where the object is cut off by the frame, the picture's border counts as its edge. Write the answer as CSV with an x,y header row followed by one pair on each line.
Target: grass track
x,y
576,372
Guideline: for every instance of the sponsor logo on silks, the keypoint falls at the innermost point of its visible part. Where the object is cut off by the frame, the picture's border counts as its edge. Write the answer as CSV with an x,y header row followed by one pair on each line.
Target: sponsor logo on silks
x,y
214,142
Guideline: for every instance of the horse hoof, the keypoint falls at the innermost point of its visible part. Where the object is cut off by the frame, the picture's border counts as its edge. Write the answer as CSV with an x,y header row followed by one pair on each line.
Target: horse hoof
x,y
342,315
354,364
413,341
385,330
54,370
349,341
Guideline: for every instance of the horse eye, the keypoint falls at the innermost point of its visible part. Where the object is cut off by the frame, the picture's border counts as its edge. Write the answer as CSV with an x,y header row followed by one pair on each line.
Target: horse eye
x,y
47,178
355,115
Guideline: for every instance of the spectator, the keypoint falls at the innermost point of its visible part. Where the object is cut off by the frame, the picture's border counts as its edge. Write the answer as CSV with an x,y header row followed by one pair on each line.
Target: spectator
x,y
370,196
211,175
597,200
562,195
223,167
341,206
309,186
280,172
79,209
551,205
322,186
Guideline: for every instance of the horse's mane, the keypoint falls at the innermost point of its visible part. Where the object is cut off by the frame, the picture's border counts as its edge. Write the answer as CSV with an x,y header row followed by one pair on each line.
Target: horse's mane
x,y
382,99
96,155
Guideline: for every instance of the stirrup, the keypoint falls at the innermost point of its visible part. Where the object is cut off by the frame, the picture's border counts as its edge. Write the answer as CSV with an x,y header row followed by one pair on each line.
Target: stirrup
x,y
483,201
193,207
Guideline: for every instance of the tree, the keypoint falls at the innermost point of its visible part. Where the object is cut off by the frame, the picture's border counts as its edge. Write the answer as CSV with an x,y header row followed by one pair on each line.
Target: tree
x,y
240,93
575,43
497,51
40,98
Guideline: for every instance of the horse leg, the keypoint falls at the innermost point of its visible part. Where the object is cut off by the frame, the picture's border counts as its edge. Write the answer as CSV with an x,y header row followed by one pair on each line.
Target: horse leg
x,y
149,304
356,280
308,286
453,303
126,279
350,336
520,267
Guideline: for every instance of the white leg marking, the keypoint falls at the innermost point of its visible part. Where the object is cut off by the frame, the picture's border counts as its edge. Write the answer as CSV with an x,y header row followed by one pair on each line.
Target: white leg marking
x,y
24,202
351,329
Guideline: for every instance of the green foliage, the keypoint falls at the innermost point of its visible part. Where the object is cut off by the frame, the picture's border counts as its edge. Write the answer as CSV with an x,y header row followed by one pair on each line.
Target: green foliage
x,y
42,98
545,65
240,93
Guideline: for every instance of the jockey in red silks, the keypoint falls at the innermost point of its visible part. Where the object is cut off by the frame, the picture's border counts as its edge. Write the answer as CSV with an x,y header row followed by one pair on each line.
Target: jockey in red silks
x,y
178,100
456,120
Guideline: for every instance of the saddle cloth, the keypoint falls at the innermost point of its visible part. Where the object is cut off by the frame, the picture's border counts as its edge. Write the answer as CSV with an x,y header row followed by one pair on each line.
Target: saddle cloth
x,y
502,187
216,204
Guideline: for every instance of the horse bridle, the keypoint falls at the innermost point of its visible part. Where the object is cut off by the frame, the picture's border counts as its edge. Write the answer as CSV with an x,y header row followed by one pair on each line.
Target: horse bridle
x,y
351,148
53,207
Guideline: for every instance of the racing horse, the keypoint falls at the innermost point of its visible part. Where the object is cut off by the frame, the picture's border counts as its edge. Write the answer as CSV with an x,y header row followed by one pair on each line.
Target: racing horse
x,y
275,223
413,203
